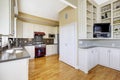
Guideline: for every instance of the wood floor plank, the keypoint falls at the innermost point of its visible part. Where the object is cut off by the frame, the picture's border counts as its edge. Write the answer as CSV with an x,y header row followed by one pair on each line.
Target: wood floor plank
x,y
50,68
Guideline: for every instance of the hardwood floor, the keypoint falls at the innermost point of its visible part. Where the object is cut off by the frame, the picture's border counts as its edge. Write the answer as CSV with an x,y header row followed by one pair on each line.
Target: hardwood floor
x,y
50,68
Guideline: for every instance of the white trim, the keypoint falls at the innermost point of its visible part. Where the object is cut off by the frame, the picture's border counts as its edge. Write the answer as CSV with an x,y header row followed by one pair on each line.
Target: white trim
x,y
66,2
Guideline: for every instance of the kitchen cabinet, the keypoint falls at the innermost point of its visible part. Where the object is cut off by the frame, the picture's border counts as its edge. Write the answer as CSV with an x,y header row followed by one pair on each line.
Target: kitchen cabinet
x,y
88,58
110,57
87,13
68,44
83,60
93,58
51,49
104,55
6,17
19,29
14,70
115,59
28,30
37,28
31,51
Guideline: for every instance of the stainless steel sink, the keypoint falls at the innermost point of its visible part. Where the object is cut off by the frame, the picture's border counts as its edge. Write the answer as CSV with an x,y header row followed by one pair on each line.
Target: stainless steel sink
x,y
10,51
19,48
14,50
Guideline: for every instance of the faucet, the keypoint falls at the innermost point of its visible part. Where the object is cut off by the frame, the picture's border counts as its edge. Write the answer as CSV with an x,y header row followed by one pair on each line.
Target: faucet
x,y
9,43
9,46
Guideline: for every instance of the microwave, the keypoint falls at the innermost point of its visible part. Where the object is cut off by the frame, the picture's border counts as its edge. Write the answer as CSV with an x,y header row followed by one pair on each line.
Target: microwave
x,y
51,35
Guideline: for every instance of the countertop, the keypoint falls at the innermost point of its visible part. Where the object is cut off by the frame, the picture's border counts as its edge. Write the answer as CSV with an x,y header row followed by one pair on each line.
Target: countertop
x,y
108,43
40,44
5,56
88,47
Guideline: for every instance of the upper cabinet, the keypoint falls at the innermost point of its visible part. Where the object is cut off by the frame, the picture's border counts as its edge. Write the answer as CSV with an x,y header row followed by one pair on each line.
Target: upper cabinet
x,y
19,29
7,17
87,16
116,19
26,30
89,13
106,13
110,13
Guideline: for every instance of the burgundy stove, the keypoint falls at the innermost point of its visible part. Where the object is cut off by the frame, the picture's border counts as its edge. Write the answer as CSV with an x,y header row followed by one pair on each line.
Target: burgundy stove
x,y
40,48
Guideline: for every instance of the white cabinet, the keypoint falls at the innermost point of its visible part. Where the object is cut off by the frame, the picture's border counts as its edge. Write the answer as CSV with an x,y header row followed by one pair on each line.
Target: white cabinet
x,y
6,17
55,50
19,29
88,58
104,56
93,58
31,51
115,59
28,30
37,28
83,60
51,50
110,57
14,70
87,13
68,44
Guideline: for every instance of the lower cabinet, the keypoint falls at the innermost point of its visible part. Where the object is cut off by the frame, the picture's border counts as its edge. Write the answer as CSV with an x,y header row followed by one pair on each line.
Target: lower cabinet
x,y
83,60
115,59
51,50
31,51
110,57
14,70
89,58
104,54
93,58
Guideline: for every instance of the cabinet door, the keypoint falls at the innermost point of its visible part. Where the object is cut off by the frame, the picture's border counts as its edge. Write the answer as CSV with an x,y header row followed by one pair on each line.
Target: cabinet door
x,y
31,51
68,44
48,50
28,30
19,29
92,58
54,49
104,56
83,60
5,17
115,59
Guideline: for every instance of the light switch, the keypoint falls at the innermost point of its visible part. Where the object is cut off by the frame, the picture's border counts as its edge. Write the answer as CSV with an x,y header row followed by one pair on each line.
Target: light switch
x,y
66,16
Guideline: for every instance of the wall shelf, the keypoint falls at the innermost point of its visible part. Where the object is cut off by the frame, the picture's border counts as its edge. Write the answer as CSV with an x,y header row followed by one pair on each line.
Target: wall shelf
x,y
116,9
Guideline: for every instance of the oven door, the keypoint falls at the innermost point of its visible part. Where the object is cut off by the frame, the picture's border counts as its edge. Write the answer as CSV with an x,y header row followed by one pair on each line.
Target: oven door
x,y
40,52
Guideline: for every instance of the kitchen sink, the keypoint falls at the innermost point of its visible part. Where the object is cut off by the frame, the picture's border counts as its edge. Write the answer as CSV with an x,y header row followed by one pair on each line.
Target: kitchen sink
x,y
19,48
18,51
9,51
14,50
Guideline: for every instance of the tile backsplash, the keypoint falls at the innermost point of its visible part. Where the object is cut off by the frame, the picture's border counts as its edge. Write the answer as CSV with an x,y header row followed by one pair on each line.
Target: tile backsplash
x,y
98,43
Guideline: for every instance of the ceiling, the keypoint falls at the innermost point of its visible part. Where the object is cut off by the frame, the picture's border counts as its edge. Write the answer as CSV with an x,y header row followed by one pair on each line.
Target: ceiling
x,y
100,1
42,8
